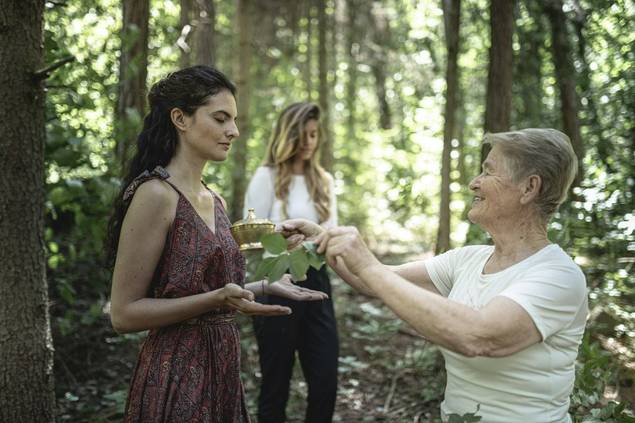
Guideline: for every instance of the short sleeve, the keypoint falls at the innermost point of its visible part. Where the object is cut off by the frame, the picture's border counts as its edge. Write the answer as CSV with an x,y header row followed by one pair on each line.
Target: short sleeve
x,y
552,296
260,193
441,270
332,220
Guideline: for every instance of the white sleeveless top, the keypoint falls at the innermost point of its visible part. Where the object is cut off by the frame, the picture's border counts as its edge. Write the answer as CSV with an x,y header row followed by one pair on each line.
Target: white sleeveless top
x,y
261,197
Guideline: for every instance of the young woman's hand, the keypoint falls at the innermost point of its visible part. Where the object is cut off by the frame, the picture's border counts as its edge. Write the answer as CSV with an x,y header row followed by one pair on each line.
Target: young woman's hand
x,y
286,289
242,300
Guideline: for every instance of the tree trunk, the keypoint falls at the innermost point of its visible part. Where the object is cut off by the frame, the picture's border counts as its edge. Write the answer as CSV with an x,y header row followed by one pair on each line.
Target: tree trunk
x,y
380,37
242,67
352,51
528,68
26,347
604,147
308,71
133,67
451,19
185,21
327,142
566,77
205,37
499,78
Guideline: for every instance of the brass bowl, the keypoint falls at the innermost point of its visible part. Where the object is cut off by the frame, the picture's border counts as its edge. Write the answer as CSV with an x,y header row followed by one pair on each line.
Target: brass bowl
x,y
247,232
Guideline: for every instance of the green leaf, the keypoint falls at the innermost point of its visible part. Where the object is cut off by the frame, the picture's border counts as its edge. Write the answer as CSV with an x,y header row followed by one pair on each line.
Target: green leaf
x,y
299,264
274,243
310,246
316,261
279,268
264,268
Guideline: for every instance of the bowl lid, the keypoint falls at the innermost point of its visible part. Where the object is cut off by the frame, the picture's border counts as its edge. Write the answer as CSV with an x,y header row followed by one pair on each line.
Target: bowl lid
x,y
251,219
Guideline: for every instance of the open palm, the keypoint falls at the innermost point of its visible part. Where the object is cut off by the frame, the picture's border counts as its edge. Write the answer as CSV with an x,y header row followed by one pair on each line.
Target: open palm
x,y
287,289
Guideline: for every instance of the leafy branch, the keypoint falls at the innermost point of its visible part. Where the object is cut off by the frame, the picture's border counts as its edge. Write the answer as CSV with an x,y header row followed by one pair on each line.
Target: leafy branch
x,y
279,260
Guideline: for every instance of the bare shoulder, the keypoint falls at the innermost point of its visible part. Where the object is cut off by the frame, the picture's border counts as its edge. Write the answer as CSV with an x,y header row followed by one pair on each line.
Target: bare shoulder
x,y
153,201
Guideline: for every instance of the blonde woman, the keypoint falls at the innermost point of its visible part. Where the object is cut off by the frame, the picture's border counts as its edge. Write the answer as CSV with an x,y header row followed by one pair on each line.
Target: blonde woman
x,y
292,184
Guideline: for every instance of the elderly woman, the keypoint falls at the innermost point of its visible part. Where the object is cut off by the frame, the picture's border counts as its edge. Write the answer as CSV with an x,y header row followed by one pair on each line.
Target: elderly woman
x,y
509,317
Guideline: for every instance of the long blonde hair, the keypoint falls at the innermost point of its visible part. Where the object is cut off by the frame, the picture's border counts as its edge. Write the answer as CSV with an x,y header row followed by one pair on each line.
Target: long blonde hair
x,y
288,135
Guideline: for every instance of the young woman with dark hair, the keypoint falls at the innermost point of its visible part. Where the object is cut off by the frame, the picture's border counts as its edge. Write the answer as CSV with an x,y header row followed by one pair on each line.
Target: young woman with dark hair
x,y
177,270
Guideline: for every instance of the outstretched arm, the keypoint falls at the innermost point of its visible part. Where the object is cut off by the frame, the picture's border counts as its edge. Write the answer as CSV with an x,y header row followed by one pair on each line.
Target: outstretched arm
x,y
501,328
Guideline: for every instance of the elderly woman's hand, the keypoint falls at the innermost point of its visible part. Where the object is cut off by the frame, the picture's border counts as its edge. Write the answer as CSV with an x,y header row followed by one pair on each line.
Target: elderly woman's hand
x,y
298,230
345,250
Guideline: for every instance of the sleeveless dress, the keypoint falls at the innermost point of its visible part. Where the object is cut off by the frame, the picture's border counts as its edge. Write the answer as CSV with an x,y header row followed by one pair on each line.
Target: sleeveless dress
x,y
190,371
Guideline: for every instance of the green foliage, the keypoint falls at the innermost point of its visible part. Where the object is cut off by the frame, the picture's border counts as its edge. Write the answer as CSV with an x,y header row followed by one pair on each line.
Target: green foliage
x,y
280,261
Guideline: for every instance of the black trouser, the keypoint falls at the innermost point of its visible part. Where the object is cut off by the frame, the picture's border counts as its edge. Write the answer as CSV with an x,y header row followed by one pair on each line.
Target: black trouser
x,y
312,332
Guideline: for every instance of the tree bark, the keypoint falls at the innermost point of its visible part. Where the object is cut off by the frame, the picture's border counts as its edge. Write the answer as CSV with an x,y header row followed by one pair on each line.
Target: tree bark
x,y
26,347
604,147
133,72
499,78
566,77
185,21
308,71
352,52
324,95
451,19
380,37
205,37
242,66
528,68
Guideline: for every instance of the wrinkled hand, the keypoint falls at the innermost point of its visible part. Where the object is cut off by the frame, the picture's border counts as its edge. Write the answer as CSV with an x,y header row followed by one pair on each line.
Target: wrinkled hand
x,y
286,289
297,231
345,250
242,300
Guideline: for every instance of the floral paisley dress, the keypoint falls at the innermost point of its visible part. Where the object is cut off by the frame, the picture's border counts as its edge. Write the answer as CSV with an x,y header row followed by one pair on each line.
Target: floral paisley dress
x,y
190,371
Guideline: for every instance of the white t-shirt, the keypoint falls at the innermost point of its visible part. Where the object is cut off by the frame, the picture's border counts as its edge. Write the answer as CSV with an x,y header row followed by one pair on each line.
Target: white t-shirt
x,y
532,385
261,196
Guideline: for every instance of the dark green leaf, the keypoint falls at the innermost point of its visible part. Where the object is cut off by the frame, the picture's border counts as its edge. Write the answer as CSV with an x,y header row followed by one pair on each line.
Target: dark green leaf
x,y
316,261
299,264
264,268
274,243
280,266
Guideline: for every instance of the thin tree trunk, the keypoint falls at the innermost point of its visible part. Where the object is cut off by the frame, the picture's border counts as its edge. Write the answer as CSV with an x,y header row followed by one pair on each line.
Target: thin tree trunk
x,y
26,347
451,18
185,21
604,147
308,72
566,76
244,10
463,178
499,78
327,142
380,37
205,50
528,68
133,67
352,47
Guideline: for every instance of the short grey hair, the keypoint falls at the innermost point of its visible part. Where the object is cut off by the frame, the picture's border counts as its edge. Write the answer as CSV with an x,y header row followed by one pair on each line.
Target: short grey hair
x,y
544,152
